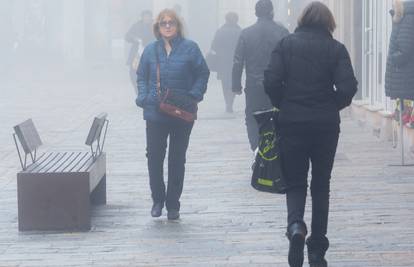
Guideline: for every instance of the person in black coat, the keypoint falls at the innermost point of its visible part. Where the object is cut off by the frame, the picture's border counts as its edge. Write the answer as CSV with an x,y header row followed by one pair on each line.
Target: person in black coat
x,y
399,75
223,47
309,79
253,51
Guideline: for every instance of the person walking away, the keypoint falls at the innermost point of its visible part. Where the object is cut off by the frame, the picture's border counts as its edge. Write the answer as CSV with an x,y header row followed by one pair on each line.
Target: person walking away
x,y
223,47
140,34
310,79
181,67
399,78
253,52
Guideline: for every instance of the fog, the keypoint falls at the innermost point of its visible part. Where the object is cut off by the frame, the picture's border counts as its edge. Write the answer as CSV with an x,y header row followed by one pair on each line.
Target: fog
x,y
67,58
39,34
62,62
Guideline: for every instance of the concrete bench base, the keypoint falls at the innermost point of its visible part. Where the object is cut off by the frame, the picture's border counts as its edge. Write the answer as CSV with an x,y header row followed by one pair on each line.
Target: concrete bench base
x,y
61,201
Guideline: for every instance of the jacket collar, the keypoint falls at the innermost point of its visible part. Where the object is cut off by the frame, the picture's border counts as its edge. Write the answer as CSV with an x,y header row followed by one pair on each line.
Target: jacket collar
x,y
174,42
265,19
314,29
231,25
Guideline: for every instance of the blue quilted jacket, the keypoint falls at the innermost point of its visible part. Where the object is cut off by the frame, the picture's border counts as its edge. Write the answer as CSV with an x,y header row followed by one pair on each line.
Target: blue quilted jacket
x,y
184,69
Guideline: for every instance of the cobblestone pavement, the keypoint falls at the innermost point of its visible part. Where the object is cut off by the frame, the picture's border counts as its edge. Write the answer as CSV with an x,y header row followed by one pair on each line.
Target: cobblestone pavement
x,y
224,221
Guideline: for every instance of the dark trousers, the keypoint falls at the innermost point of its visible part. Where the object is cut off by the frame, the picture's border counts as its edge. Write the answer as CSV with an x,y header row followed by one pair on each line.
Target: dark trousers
x,y
228,94
256,100
297,151
157,136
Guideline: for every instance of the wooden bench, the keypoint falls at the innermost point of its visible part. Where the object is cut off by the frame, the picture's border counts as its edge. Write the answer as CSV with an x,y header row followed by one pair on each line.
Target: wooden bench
x,y
55,190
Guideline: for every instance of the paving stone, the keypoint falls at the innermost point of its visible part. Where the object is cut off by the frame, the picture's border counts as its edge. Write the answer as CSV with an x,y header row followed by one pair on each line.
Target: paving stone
x,y
224,221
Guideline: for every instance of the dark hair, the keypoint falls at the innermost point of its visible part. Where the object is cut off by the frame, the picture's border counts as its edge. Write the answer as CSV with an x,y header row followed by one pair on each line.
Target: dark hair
x,y
172,14
317,14
264,9
232,18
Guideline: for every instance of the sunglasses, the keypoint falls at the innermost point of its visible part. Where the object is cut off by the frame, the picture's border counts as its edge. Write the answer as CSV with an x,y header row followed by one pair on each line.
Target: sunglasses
x,y
168,24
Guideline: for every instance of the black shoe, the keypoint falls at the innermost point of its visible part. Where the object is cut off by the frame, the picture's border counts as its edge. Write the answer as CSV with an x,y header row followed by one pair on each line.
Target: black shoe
x,y
156,210
317,248
173,215
320,263
296,234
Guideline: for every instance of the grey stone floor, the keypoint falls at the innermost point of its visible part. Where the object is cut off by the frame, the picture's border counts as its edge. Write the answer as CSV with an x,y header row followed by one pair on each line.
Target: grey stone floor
x,y
224,221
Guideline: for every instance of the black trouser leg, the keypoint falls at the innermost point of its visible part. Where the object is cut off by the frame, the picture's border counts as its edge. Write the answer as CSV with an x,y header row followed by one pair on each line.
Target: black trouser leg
x,y
297,150
295,165
252,131
157,134
256,100
322,157
179,140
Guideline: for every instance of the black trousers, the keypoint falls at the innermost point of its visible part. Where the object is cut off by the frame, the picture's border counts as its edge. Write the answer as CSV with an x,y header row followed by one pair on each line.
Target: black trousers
x,y
256,100
297,151
158,134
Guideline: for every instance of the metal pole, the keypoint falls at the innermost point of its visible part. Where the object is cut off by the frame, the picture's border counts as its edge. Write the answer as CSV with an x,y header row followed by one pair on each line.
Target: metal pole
x,y
18,152
402,131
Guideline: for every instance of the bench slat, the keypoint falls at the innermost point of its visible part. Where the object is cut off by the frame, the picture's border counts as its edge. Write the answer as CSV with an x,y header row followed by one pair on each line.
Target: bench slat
x,y
39,162
87,164
89,161
48,163
70,158
79,162
69,166
63,158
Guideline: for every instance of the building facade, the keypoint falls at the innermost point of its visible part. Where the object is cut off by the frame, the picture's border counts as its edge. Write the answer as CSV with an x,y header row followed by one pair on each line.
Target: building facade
x,y
365,26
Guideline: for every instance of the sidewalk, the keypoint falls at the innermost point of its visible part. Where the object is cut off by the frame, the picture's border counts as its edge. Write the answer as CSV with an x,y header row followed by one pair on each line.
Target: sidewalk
x,y
224,221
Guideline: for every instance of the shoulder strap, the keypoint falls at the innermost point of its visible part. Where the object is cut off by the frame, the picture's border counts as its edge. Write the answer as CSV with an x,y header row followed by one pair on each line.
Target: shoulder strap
x,y
158,70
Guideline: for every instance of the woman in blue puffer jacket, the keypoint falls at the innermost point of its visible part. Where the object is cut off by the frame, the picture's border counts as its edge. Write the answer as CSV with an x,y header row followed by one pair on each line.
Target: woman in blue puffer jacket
x,y
182,67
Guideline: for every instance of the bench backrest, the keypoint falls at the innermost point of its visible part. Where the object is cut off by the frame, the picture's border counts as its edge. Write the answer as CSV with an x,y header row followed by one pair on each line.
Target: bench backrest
x,y
96,129
28,136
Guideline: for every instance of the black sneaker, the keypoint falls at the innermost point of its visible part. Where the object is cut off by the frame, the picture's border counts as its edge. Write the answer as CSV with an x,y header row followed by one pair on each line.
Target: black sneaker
x,y
156,210
173,215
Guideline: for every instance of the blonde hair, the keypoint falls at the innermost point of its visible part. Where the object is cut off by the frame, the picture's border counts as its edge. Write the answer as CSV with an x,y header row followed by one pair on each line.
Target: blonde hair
x,y
173,15
398,11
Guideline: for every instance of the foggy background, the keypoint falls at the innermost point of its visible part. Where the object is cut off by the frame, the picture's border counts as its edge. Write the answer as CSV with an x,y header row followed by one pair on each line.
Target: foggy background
x,y
56,55
73,33
65,60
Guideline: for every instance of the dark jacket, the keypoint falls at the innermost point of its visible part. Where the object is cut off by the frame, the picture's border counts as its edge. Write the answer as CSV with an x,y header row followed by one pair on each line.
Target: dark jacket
x,y
138,31
184,69
224,45
310,79
253,50
399,76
